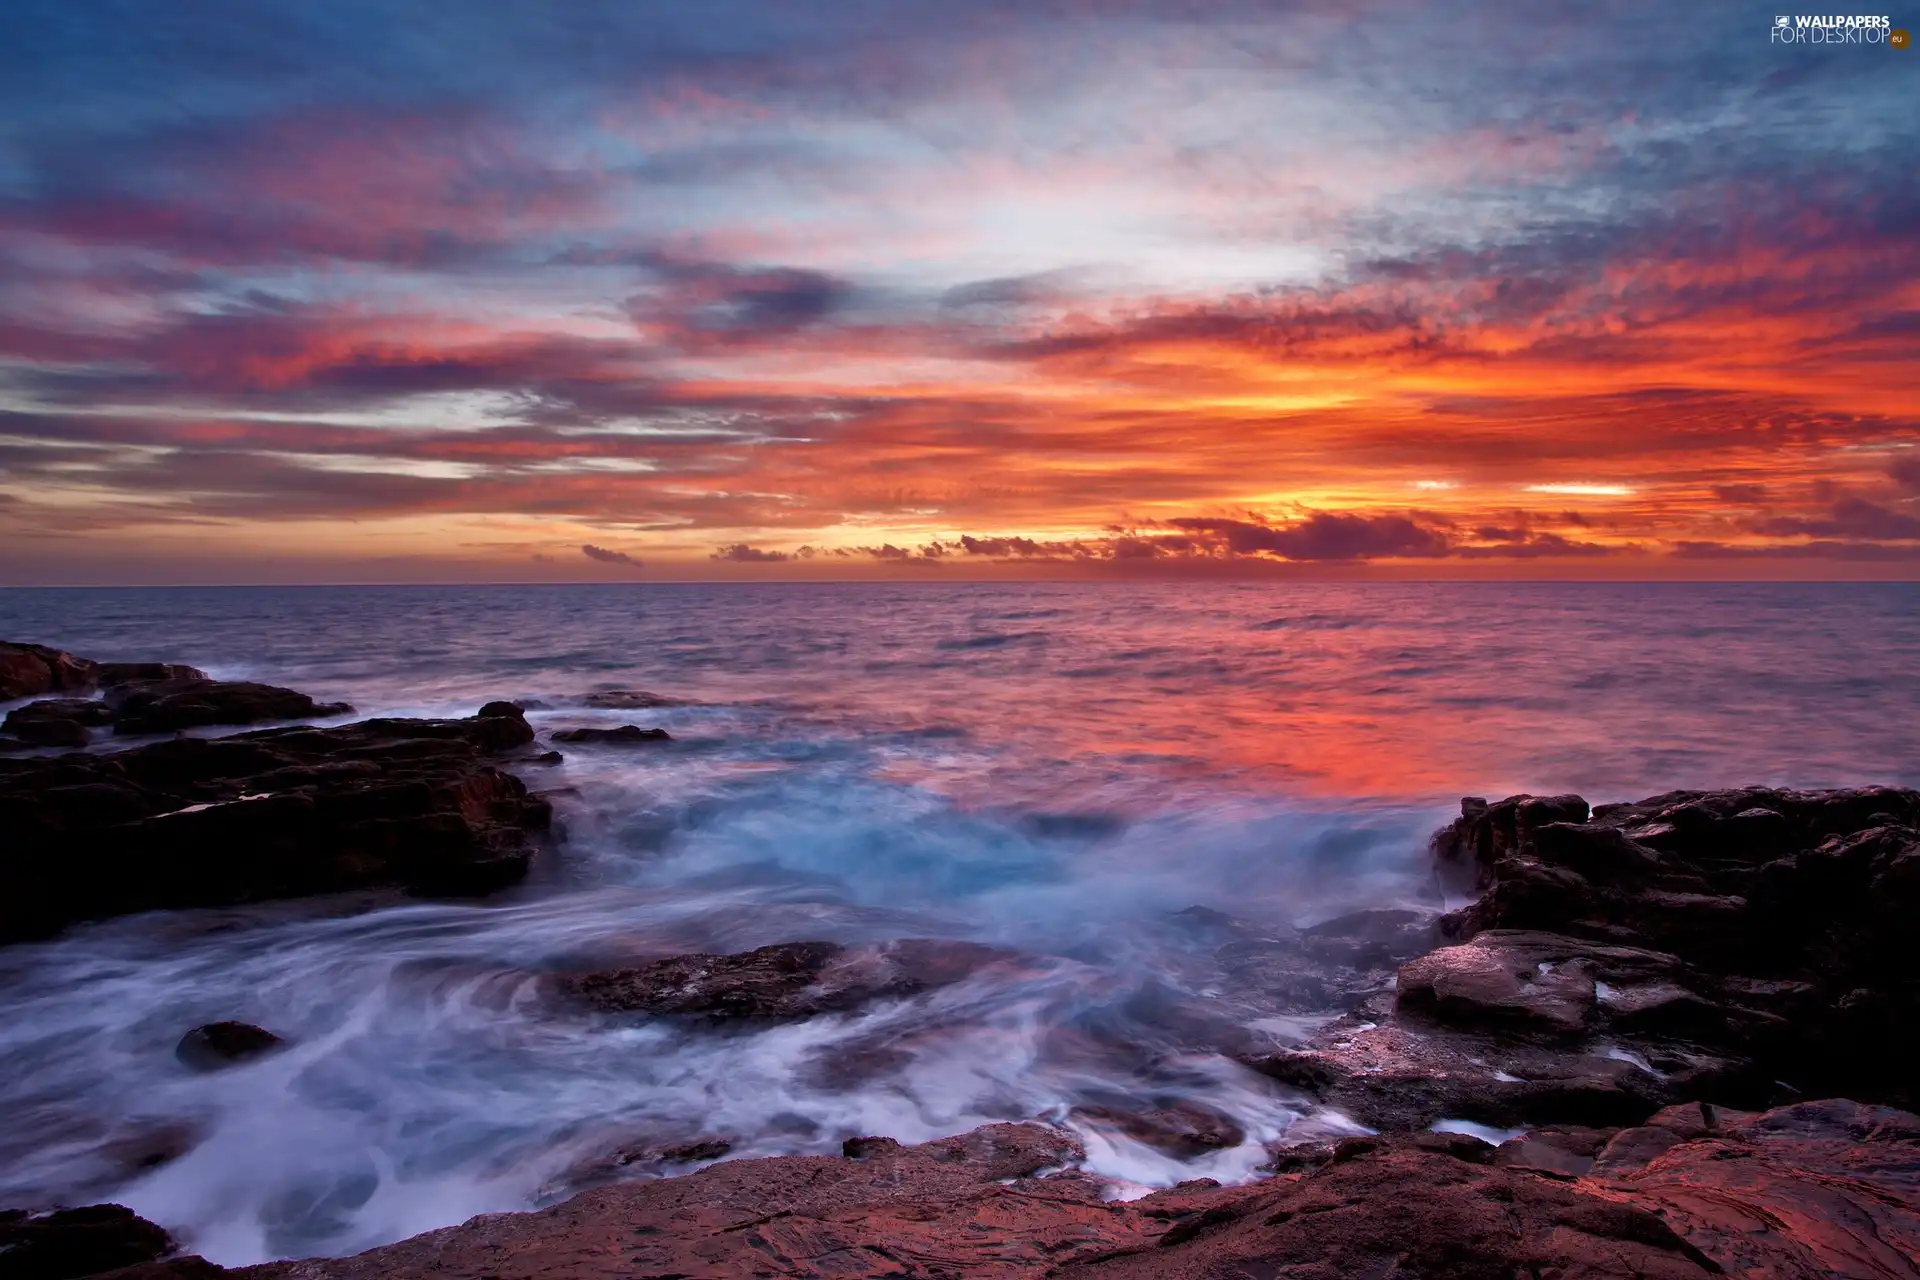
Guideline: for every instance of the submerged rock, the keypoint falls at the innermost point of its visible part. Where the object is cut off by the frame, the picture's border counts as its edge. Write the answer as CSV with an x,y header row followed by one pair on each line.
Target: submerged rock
x,y
629,700
626,734
274,813
225,1044
785,981
1181,1129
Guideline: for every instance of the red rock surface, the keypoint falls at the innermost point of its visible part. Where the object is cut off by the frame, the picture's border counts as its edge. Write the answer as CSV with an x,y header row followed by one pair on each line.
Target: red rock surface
x,y
1818,1189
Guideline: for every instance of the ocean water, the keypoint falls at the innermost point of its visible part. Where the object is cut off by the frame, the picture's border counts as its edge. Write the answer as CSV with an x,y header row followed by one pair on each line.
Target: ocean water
x,y
1052,768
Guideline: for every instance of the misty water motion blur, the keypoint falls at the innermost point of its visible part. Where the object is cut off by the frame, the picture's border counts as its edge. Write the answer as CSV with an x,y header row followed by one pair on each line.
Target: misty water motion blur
x,y
1055,769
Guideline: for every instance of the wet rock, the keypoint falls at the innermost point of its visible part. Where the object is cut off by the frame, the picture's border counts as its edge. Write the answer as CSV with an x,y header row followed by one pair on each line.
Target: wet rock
x,y
58,722
1828,1188
29,670
625,735
167,706
274,813
1181,1129
1267,969
1371,939
1400,1073
1465,851
1514,978
1782,912
77,1242
109,675
785,981
635,1155
1560,1151
225,1044
1816,1189
963,1206
1410,1207
629,700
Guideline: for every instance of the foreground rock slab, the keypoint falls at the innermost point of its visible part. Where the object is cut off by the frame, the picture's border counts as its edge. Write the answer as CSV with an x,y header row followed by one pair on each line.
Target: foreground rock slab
x,y
784,981
965,1206
1818,1189
276,813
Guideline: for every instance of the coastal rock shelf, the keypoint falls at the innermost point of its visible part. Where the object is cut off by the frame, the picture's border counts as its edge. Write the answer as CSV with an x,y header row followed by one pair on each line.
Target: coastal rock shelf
x,y
1817,1189
275,813
135,698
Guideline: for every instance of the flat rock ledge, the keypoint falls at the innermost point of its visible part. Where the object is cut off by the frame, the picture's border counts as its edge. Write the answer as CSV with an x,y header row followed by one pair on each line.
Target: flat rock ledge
x,y
134,698
275,813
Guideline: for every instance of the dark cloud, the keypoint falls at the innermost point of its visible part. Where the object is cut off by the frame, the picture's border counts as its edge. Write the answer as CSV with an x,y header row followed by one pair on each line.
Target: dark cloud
x,y
1324,536
741,553
1001,546
1741,495
606,556
1820,549
1850,518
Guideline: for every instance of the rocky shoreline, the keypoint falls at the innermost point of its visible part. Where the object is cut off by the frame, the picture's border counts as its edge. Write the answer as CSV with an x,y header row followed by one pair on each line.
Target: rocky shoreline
x,y
1686,1024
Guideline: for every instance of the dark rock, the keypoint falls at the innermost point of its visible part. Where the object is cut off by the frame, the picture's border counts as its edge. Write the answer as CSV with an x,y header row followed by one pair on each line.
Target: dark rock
x,y
867,1148
1465,851
1181,1129
1515,976
29,670
77,1242
167,706
190,1267
1400,1072
626,734
629,700
108,675
275,813
225,1044
546,757
1371,939
695,1152
58,722
784,981
1786,916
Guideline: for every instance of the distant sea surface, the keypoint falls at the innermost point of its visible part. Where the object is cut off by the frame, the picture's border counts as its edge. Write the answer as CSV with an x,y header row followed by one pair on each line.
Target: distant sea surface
x,y
1053,768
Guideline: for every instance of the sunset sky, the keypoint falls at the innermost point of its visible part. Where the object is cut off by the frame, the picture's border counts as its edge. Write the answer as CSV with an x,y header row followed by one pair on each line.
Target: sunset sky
x,y
562,290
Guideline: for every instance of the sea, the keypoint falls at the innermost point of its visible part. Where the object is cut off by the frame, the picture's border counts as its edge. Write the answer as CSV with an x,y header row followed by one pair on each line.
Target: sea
x,y
1059,769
